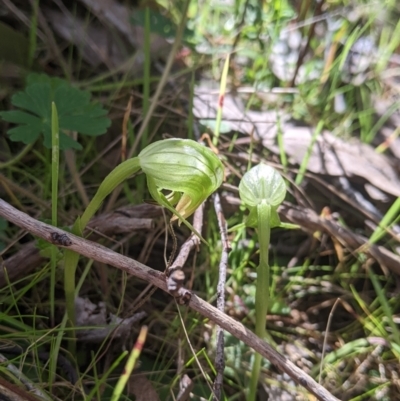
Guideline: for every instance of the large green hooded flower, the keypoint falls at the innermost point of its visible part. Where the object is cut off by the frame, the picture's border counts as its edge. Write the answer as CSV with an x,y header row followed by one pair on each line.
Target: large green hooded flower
x,y
188,169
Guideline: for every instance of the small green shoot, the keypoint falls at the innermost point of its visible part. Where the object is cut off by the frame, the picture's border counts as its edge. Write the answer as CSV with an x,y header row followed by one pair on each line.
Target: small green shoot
x,y
262,189
75,112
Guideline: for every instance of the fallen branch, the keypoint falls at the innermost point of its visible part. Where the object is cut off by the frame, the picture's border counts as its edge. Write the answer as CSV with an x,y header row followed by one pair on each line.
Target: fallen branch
x,y
104,255
124,220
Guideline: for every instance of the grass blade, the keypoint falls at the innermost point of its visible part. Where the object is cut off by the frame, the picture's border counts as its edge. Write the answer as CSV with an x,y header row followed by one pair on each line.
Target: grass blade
x,y
222,90
55,164
130,364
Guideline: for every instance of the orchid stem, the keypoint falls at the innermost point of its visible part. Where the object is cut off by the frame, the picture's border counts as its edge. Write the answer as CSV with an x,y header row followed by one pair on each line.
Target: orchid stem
x,y
262,289
71,258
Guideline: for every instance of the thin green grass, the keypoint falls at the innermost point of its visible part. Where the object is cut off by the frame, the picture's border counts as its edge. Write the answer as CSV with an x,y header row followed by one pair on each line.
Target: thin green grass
x,y
306,159
222,91
33,32
55,164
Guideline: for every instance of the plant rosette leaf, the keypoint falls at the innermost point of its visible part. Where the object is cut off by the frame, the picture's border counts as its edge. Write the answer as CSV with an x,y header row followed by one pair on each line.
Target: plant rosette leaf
x,y
75,112
188,169
262,184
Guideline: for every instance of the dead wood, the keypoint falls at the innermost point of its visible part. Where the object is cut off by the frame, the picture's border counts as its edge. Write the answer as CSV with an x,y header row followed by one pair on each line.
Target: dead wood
x,y
309,220
121,221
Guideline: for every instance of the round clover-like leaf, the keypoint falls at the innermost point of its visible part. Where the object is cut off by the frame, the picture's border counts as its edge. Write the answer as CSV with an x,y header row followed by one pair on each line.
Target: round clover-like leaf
x,y
262,183
75,112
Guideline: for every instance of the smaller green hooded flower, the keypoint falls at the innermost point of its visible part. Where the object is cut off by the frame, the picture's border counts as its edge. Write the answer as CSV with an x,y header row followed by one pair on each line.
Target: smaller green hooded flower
x,y
188,169
262,184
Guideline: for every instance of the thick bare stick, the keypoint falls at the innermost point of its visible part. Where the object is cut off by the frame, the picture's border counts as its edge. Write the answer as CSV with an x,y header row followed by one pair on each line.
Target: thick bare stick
x,y
102,254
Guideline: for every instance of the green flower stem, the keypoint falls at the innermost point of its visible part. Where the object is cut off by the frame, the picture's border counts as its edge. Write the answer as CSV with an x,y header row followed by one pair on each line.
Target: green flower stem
x,y
262,288
122,172
55,165
115,178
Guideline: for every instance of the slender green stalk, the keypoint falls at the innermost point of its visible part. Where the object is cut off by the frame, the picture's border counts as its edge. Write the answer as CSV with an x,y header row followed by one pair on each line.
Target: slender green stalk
x,y
381,122
222,90
105,376
190,120
388,49
262,289
116,177
33,32
164,77
146,73
53,362
121,173
282,153
390,217
130,364
55,350
304,163
144,141
55,163
385,305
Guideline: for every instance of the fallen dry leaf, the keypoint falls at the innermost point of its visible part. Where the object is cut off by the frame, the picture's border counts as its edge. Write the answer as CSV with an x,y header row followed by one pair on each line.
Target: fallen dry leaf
x,y
141,388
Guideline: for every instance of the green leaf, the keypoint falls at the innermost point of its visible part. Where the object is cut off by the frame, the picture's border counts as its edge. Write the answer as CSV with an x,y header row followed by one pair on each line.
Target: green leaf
x,y
76,112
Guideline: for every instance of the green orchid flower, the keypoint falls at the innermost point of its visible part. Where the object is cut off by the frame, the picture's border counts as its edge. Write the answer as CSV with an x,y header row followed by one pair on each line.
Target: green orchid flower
x,y
189,170
262,184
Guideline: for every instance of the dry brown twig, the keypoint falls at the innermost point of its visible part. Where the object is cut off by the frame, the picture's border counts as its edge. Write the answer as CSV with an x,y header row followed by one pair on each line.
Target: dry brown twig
x,y
102,254
223,265
121,221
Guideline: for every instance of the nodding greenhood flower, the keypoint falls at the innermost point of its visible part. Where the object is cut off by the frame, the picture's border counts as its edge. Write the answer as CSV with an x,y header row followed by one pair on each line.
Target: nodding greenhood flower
x,y
262,184
189,170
